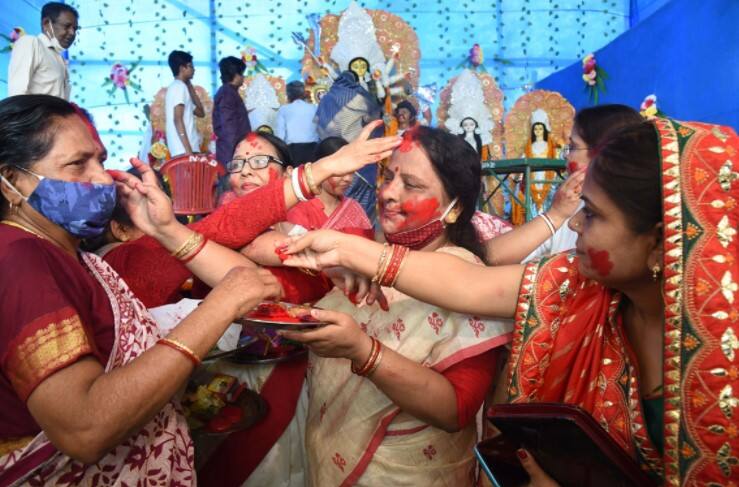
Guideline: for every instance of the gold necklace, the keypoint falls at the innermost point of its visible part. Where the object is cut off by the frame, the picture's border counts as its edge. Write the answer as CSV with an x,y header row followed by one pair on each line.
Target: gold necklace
x,y
22,227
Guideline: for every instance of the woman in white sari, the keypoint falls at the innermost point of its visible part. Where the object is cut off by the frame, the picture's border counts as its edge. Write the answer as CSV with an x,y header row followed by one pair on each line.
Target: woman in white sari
x,y
393,391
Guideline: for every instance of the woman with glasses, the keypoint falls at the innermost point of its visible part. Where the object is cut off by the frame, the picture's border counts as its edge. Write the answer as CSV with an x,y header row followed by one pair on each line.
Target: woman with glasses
x,y
589,131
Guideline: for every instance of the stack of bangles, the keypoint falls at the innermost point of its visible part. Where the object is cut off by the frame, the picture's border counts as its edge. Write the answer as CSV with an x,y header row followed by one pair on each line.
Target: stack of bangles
x,y
304,186
373,361
180,347
190,248
550,224
390,265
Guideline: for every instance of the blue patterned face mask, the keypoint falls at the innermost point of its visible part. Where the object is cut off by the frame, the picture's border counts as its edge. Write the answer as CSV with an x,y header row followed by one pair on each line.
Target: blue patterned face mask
x,y
82,209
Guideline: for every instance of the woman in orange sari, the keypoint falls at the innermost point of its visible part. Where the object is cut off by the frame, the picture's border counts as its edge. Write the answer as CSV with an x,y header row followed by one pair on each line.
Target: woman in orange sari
x,y
654,269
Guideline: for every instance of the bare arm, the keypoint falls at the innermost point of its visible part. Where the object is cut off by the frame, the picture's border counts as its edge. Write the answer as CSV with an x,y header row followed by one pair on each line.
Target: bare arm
x,y
262,249
85,412
199,110
514,246
179,124
433,277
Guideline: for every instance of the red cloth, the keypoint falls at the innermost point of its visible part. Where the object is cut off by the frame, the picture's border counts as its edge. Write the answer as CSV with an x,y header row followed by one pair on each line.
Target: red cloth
x,y
238,456
348,217
471,379
41,285
156,277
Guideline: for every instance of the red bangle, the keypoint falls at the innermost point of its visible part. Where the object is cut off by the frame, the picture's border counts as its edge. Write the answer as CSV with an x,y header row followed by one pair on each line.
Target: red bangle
x,y
367,366
180,347
304,183
399,253
196,251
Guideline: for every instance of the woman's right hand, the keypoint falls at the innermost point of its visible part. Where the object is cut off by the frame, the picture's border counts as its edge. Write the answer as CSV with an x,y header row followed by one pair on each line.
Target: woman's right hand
x,y
567,198
242,289
537,476
316,250
357,154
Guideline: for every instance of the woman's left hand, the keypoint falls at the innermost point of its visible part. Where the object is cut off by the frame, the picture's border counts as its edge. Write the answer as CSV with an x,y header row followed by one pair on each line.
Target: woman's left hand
x,y
148,206
341,338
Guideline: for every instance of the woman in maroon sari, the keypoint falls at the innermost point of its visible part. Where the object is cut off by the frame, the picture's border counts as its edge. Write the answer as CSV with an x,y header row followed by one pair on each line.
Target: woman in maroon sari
x,y
87,382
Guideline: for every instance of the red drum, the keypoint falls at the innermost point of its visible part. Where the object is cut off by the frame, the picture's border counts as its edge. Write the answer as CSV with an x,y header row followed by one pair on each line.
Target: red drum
x,y
192,180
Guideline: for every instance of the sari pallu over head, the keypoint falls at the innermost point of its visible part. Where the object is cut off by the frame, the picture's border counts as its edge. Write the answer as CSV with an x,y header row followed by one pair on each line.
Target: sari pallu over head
x,y
569,346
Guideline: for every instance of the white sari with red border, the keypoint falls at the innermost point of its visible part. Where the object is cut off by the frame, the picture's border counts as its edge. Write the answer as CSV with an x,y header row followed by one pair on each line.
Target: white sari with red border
x,y
355,435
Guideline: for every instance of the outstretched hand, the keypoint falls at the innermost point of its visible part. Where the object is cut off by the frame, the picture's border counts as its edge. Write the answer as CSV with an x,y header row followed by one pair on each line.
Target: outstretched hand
x,y
315,250
148,206
358,153
357,287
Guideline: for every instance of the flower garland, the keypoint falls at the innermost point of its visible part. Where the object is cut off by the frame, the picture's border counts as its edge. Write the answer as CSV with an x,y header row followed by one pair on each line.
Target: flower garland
x,y
253,64
594,77
475,59
120,78
15,34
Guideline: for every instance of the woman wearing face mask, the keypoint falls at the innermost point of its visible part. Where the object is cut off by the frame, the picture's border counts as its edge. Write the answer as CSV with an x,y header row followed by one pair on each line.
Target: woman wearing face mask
x,y
79,387
36,62
377,426
637,326
87,381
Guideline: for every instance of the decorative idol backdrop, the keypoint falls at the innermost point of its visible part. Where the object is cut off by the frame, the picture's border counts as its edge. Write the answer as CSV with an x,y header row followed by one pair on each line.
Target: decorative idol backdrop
x,y
119,62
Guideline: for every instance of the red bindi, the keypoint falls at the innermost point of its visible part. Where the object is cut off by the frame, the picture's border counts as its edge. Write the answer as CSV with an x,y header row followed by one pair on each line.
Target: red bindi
x,y
600,260
419,212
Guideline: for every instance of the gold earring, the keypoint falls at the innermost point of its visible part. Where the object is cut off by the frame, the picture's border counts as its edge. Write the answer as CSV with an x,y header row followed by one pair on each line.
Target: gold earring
x,y
451,218
655,272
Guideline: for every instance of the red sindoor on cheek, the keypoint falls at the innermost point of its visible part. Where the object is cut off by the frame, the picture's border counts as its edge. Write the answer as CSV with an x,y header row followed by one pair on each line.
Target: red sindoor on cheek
x,y
600,260
273,174
419,212
572,167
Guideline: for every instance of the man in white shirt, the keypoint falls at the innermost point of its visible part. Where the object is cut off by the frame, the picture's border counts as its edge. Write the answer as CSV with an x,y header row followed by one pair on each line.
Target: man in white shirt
x,y
36,62
296,125
182,105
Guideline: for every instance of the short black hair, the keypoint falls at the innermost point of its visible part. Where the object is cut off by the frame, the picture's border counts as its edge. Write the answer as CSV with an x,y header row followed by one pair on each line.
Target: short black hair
x,y
295,91
28,125
230,66
177,59
52,10
408,106
328,146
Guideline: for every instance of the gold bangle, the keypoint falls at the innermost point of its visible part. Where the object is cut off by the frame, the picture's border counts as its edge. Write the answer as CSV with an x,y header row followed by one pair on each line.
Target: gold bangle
x,y
188,246
315,189
182,348
381,262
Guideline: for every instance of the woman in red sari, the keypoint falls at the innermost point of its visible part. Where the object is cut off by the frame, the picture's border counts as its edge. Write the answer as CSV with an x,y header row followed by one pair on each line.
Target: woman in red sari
x,y
654,269
88,384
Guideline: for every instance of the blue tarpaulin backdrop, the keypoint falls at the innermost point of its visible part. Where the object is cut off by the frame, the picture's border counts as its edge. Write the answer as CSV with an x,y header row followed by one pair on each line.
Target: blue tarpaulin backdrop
x,y
686,53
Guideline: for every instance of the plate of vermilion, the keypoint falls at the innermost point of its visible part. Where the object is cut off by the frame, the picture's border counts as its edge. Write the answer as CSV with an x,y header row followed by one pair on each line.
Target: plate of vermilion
x,y
281,316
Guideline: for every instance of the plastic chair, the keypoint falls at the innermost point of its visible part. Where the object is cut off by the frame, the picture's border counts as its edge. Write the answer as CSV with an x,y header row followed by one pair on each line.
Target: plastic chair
x,y
192,182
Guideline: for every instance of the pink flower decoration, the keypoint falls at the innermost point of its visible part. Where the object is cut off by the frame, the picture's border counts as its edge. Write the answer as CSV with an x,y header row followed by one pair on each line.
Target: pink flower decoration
x,y
476,57
16,33
119,76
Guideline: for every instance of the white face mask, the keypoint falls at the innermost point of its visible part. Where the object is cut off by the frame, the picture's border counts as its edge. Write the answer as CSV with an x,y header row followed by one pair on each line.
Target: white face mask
x,y
54,41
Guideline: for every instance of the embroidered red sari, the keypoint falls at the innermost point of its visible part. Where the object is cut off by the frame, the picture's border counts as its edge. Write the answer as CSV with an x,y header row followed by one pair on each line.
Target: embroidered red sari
x,y
569,345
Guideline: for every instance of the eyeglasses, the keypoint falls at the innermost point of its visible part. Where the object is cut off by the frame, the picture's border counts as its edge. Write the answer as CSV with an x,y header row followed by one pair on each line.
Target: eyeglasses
x,y
567,150
255,162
